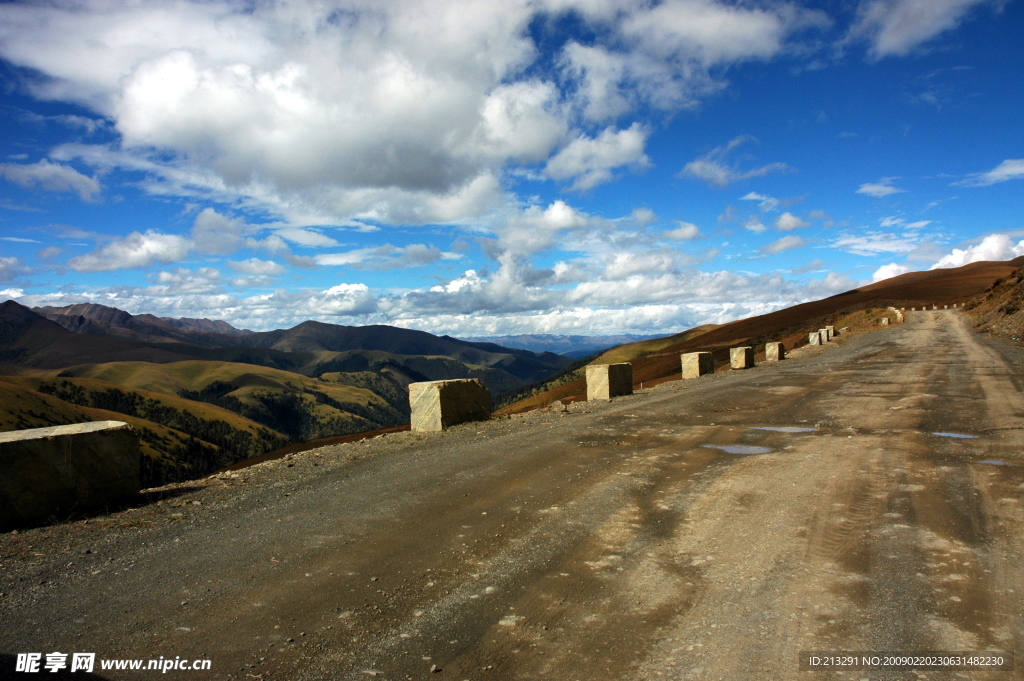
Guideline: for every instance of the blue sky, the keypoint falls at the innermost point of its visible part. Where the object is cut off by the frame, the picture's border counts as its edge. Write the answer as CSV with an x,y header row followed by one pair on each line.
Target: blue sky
x,y
552,166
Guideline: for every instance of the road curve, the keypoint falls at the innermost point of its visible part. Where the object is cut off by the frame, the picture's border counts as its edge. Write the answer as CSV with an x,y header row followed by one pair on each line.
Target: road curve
x,y
616,541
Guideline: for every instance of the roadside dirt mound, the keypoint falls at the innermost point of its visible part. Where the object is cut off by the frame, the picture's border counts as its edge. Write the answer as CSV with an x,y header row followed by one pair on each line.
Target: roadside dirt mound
x,y
1000,309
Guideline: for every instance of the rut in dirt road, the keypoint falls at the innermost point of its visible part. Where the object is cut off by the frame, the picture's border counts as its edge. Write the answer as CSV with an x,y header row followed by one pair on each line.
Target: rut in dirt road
x,y
616,541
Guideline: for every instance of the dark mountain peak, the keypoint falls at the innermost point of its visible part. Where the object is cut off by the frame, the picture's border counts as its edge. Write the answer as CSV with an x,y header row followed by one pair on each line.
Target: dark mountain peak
x,y
103,314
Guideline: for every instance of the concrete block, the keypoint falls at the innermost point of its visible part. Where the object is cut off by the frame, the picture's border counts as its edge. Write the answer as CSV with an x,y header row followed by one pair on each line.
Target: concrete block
x,y
436,405
697,364
60,471
831,332
774,352
814,338
884,321
913,309
741,358
605,381
825,338
945,307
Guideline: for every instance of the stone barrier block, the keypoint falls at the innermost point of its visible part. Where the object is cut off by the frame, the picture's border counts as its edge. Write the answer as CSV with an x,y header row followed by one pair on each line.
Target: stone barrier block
x,y
825,338
697,364
899,317
436,405
742,357
913,309
605,381
814,338
774,352
60,471
884,321
831,332
945,307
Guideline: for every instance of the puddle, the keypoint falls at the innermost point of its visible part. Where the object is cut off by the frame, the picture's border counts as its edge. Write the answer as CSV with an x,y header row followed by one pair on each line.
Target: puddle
x,y
995,462
739,449
785,429
957,435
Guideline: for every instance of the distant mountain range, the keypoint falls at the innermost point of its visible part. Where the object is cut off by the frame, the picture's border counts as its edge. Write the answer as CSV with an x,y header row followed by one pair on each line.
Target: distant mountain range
x,y
204,394
570,346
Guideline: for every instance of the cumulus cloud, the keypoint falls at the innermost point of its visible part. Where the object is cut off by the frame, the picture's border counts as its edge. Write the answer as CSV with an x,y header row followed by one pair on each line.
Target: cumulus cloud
x,y
53,177
898,27
993,247
786,243
396,112
591,160
889,271
683,232
787,221
133,251
1010,169
714,167
880,189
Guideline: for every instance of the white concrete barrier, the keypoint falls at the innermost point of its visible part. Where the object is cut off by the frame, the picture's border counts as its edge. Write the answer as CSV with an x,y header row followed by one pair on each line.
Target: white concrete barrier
x,y
697,364
742,357
774,352
56,472
437,405
605,381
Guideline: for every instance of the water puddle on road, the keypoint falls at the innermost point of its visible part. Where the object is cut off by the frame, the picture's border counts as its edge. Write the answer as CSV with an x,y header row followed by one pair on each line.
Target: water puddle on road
x,y
785,429
957,435
739,449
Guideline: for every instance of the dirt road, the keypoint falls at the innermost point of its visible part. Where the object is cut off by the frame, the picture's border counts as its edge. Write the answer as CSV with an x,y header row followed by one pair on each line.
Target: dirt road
x,y
610,542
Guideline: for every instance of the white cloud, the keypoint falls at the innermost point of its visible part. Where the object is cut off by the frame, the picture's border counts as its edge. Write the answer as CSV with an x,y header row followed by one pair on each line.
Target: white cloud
x,y
880,189
53,177
874,243
133,251
920,224
11,267
643,217
993,247
256,266
898,27
218,234
766,203
387,257
685,231
713,167
787,221
754,224
1010,169
591,160
786,243
406,112
11,293
182,281
889,271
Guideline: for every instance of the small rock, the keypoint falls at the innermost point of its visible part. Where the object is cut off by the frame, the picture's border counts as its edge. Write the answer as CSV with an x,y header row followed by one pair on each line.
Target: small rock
x,y
434,669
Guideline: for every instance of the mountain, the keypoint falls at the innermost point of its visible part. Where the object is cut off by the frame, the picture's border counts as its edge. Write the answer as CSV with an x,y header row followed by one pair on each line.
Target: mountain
x,y
101,320
569,346
657,360
204,395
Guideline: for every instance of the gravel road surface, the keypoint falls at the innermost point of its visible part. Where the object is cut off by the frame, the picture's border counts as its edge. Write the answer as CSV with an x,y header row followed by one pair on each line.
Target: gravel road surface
x,y
621,540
